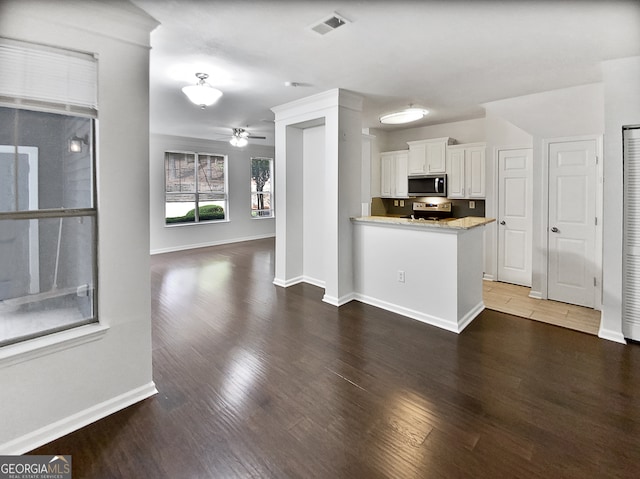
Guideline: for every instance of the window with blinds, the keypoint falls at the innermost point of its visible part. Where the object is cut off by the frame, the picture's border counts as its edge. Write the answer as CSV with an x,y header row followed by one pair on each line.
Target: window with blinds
x,y
40,76
48,215
631,254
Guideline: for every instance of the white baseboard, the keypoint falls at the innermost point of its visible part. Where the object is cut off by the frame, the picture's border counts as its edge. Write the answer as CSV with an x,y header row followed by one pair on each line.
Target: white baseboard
x,y
347,298
409,313
313,281
173,249
285,283
611,335
488,277
470,316
56,430
535,294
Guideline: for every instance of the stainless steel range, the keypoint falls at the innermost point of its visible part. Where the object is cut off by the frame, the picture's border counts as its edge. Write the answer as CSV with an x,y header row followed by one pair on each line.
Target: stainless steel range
x,y
431,211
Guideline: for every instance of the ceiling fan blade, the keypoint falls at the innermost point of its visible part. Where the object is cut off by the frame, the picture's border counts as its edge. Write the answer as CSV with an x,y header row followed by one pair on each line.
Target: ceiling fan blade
x,y
253,137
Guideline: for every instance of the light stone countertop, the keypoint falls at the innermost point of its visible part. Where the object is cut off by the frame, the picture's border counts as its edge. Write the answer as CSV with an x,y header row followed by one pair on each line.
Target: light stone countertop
x,y
455,224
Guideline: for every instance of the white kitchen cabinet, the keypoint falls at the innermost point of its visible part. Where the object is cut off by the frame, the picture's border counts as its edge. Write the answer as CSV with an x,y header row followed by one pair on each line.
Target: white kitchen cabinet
x,y
428,156
466,170
393,174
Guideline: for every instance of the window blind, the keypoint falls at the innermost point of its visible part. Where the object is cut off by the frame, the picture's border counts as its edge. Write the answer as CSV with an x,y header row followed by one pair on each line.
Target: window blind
x,y
631,260
35,74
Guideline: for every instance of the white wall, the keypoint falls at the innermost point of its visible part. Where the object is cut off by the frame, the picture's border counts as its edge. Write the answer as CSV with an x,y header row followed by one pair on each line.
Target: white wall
x,y
621,108
567,112
314,204
62,386
241,226
468,131
501,134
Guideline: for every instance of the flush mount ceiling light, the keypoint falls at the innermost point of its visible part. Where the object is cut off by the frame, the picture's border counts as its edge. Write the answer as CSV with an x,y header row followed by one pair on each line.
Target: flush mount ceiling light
x,y
404,116
202,93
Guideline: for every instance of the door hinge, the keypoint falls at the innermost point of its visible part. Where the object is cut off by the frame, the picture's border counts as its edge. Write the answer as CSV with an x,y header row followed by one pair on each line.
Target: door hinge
x,y
596,159
595,283
596,221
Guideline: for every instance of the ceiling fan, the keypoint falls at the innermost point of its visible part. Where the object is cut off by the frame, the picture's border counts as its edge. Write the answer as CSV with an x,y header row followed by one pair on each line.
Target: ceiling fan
x,y
241,136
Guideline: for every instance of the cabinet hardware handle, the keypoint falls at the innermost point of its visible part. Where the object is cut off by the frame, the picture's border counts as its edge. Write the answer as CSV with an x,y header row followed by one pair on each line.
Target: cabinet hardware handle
x,y
503,223
554,230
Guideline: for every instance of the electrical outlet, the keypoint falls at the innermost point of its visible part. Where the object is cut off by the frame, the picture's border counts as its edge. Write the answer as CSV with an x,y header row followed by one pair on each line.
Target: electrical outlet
x,y
395,202
401,202
400,276
472,204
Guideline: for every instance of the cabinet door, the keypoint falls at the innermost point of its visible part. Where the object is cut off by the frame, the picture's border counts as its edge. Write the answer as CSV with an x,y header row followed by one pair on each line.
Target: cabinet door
x,y
455,173
475,172
386,175
401,180
436,157
417,159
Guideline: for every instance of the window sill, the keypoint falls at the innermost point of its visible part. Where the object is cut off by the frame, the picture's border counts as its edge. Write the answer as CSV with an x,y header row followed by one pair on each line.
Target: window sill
x,y
262,217
52,343
213,222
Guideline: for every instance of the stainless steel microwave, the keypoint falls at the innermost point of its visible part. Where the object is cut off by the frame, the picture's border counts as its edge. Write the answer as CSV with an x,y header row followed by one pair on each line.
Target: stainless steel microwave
x,y
428,185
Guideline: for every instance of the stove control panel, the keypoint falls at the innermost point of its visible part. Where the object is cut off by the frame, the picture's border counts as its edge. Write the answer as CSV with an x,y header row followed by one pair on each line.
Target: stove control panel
x,y
443,207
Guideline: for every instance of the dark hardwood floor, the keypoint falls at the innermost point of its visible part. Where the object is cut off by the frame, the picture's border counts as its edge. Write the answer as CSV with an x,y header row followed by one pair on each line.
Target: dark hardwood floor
x,y
265,382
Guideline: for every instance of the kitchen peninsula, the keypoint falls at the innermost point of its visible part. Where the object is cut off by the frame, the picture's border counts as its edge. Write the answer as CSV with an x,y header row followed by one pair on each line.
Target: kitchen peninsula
x,y
427,270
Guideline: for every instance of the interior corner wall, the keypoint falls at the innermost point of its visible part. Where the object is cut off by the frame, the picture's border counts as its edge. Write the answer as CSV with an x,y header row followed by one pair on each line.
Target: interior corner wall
x,y
567,112
621,108
500,134
241,225
45,396
314,205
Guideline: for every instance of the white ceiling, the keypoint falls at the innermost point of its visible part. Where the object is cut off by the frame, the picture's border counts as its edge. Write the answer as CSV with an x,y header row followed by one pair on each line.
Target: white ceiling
x,y
448,56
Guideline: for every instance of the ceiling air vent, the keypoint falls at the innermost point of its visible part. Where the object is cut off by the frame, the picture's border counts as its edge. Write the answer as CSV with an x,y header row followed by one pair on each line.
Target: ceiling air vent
x,y
329,24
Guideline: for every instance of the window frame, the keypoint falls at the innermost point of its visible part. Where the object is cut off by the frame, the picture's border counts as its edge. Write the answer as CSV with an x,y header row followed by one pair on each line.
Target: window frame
x,y
257,216
60,213
196,194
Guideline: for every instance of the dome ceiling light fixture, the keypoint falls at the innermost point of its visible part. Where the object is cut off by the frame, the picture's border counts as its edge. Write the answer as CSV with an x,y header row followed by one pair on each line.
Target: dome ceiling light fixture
x,y
202,94
404,116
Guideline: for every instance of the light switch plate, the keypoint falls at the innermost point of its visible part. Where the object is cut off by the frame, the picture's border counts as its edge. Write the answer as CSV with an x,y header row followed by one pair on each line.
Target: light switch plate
x,y
472,204
395,202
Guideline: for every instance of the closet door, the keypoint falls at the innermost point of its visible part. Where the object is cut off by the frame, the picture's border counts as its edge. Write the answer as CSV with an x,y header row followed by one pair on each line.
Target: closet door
x,y
631,253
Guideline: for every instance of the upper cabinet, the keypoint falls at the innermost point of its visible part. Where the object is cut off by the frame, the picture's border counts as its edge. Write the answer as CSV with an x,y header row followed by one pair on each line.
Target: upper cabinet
x,y
466,171
393,174
428,157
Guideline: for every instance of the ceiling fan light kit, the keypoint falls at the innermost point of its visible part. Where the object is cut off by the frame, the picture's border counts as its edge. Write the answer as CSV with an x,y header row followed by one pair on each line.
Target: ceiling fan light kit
x,y
241,137
202,94
404,116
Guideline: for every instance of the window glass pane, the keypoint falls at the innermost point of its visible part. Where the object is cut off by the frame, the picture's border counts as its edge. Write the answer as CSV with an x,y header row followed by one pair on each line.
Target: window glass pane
x,y
208,183
211,207
180,172
46,279
261,204
180,208
211,174
45,161
261,177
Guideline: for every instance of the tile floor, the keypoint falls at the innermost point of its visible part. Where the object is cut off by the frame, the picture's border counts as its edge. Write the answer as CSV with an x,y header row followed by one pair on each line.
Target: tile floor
x,y
513,299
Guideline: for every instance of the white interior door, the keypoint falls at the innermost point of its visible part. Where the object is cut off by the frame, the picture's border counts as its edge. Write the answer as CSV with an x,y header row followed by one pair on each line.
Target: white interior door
x,y
572,216
515,216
